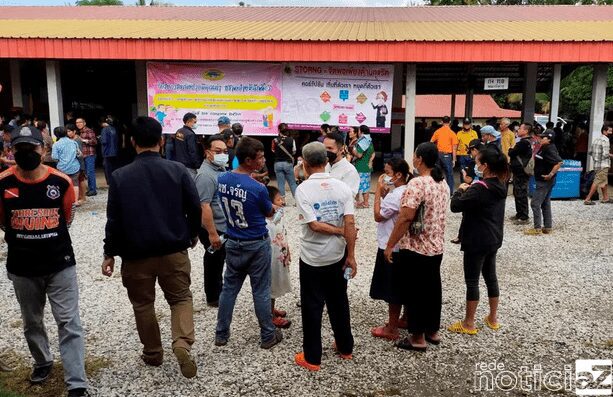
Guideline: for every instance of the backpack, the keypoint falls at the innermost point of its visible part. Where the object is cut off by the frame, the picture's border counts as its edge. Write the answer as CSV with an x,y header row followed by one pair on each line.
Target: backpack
x,y
529,167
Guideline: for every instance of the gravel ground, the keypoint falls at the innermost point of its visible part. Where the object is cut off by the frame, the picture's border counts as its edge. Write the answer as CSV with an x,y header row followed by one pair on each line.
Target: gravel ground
x,y
555,308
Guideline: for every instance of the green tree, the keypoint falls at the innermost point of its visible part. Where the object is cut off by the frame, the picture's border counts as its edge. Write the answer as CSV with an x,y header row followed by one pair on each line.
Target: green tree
x,y
576,92
99,3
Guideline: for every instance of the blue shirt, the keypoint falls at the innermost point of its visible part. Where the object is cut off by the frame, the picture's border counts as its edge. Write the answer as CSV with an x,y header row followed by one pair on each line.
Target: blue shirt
x,y
109,141
245,204
65,152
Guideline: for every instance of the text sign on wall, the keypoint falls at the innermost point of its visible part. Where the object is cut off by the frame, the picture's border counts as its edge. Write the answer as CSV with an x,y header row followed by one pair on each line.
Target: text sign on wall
x,y
496,83
337,94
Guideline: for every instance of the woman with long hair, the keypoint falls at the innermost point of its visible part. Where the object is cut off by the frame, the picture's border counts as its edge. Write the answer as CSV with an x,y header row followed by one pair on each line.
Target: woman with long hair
x,y
482,207
420,235
390,188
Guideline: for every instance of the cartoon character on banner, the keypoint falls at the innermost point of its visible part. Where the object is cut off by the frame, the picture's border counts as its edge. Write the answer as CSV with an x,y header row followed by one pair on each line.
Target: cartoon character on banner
x,y
381,107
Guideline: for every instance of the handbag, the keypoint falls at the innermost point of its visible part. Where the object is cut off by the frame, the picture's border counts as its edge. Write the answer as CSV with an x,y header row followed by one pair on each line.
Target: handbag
x,y
280,146
417,226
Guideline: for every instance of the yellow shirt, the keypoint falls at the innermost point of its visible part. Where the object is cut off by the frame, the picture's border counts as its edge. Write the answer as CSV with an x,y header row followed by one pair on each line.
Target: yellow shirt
x,y
464,139
507,141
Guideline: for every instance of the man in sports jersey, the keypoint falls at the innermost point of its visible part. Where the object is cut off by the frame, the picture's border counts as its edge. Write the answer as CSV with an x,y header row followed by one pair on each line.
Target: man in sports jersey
x,y
36,209
246,205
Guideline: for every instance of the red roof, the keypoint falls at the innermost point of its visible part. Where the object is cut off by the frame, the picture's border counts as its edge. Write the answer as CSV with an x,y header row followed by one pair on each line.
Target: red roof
x,y
484,107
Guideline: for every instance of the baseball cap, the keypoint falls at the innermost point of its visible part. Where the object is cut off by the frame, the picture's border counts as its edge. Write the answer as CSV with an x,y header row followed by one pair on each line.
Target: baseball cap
x,y
223,120
489,130
547,134
467,121
475,143
26,134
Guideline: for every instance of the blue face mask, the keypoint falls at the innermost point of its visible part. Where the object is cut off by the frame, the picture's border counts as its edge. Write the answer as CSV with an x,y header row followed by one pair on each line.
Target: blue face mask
x,y
478,174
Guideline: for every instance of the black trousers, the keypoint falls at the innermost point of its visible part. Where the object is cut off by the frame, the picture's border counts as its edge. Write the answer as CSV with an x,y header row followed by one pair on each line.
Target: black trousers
x,y
475,264
520,192
423,295
213,268
321,286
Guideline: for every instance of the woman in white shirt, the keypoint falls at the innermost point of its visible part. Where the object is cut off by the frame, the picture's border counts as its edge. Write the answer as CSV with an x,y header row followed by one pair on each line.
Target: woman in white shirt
x,y
388,195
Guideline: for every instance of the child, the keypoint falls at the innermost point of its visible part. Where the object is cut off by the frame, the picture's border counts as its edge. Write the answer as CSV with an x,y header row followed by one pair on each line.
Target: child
x,y
280,284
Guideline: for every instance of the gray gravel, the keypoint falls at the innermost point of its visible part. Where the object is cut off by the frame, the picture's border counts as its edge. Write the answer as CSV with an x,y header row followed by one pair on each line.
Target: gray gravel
x,y
555,308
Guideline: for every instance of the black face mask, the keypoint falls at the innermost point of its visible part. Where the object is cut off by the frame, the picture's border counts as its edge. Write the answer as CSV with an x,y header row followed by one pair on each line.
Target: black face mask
x,y
27,160
331,157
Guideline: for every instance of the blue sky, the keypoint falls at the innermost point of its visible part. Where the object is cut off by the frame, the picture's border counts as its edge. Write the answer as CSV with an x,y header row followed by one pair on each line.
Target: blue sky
x,y
228,2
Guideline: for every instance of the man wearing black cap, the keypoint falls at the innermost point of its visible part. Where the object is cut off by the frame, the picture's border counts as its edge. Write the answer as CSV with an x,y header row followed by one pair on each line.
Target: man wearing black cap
x,y
522,167
465,136
36,209
547,162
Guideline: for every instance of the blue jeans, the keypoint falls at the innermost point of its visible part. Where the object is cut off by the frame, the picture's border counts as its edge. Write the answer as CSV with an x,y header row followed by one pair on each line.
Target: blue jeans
x,y
246,258
285,172
447,160
62,290
90,171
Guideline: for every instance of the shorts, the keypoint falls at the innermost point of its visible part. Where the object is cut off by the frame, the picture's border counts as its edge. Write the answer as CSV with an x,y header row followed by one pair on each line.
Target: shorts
x,y
364,182
82,176
601,177
75,179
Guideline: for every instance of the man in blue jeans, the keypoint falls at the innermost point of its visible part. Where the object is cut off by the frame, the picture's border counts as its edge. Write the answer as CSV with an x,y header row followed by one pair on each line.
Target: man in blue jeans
x,y
246,205
88,137
284,149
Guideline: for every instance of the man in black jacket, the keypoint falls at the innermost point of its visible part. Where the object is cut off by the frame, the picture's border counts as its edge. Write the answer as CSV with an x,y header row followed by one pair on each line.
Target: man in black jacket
x,y
153,217
520,155
186,146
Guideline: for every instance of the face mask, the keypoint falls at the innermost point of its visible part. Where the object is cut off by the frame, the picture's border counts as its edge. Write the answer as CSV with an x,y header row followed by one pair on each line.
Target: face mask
x,y
27,160
478,173
221,159
388,180
331,157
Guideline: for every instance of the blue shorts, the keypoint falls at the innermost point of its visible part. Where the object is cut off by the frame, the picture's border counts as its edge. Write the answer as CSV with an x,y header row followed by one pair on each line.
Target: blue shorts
x,y
364,182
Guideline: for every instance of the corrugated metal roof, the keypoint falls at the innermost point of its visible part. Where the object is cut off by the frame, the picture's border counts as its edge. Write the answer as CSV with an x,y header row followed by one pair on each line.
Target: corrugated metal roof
x,y
547,31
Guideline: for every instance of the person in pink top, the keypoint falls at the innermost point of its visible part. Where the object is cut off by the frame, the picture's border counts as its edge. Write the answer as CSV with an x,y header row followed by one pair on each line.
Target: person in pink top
x,y
421,248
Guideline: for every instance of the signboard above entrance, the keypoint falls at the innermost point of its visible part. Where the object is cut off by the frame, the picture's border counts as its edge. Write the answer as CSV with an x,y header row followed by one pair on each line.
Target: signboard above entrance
x,y
496,83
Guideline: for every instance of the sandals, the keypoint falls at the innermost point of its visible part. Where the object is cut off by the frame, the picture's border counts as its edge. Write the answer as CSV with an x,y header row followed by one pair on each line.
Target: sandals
x,y
380,332
494,326
406,344
431,341
458,328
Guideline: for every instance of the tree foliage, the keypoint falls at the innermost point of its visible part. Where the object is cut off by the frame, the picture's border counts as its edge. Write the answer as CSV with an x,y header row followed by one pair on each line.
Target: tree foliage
x,y
99,2
576,92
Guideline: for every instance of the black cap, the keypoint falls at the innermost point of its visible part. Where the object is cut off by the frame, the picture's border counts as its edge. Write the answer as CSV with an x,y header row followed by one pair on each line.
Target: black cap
x,y
475,143
26,134
467,121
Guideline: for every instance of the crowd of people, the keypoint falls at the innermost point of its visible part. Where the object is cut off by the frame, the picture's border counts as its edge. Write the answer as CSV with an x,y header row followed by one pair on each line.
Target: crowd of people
x,y
213,190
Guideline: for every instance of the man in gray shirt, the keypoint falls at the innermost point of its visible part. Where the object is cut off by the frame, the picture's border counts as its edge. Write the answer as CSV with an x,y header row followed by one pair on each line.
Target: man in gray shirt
x,y
213,219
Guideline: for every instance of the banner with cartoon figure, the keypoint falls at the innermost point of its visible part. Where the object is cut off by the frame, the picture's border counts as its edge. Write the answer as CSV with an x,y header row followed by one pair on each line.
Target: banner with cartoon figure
x,y
247,93
337,94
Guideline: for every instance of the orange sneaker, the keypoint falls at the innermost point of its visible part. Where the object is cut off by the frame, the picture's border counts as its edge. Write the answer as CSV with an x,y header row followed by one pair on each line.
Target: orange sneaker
x,y
300,360
280,322
341,355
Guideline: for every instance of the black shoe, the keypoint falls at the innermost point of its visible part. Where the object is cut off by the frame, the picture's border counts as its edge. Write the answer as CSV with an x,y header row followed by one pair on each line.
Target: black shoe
x,y
213,304
220,342
89,194
278,337
40,374
78,392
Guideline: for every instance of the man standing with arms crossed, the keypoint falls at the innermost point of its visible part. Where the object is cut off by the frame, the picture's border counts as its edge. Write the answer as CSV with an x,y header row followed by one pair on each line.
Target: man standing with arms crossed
x,y
153,217
326,212
447,144
185,145
36,209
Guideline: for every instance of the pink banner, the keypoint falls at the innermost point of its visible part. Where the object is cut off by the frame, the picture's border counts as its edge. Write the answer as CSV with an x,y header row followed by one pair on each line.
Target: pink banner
x,y
246,93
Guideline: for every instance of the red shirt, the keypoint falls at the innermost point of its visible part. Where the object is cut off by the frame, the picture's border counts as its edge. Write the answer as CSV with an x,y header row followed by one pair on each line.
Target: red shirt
x,y
89,148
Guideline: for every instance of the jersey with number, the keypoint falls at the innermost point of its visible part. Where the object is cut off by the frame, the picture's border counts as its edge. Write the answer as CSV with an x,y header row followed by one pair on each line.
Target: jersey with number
x,y
245,204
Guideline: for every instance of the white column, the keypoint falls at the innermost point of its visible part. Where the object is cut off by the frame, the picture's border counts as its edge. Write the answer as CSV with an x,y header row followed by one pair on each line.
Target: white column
x,y
555,93
529,95
15,71
409,112
452,110
54,94
599,93
396,131
141,88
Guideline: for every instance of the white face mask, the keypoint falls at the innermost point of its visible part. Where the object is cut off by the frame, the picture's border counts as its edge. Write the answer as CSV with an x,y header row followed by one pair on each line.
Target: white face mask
x,y
388,180
221,159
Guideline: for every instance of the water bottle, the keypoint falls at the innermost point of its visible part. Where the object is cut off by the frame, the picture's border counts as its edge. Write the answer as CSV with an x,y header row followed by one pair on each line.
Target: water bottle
x,y
347,273
223,239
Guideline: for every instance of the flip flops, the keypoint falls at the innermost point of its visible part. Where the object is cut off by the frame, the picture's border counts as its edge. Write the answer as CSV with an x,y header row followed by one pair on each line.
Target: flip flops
x,y
431,341
406,344
458,328
380,332
494,326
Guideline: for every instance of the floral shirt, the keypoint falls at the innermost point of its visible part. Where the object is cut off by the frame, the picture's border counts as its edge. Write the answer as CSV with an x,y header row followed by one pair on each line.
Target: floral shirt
x,y
435,196
278,239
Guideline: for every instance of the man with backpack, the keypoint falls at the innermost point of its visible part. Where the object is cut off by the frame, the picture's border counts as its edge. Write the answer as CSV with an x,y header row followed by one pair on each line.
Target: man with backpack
x,y
284,149
522,166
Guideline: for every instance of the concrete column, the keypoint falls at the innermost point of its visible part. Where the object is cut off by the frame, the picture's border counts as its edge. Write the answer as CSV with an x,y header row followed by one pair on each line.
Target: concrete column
x,y
15,71
409,112
396,131
468,107
555,93
599,93
529,95
54,94
452,111
141,88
